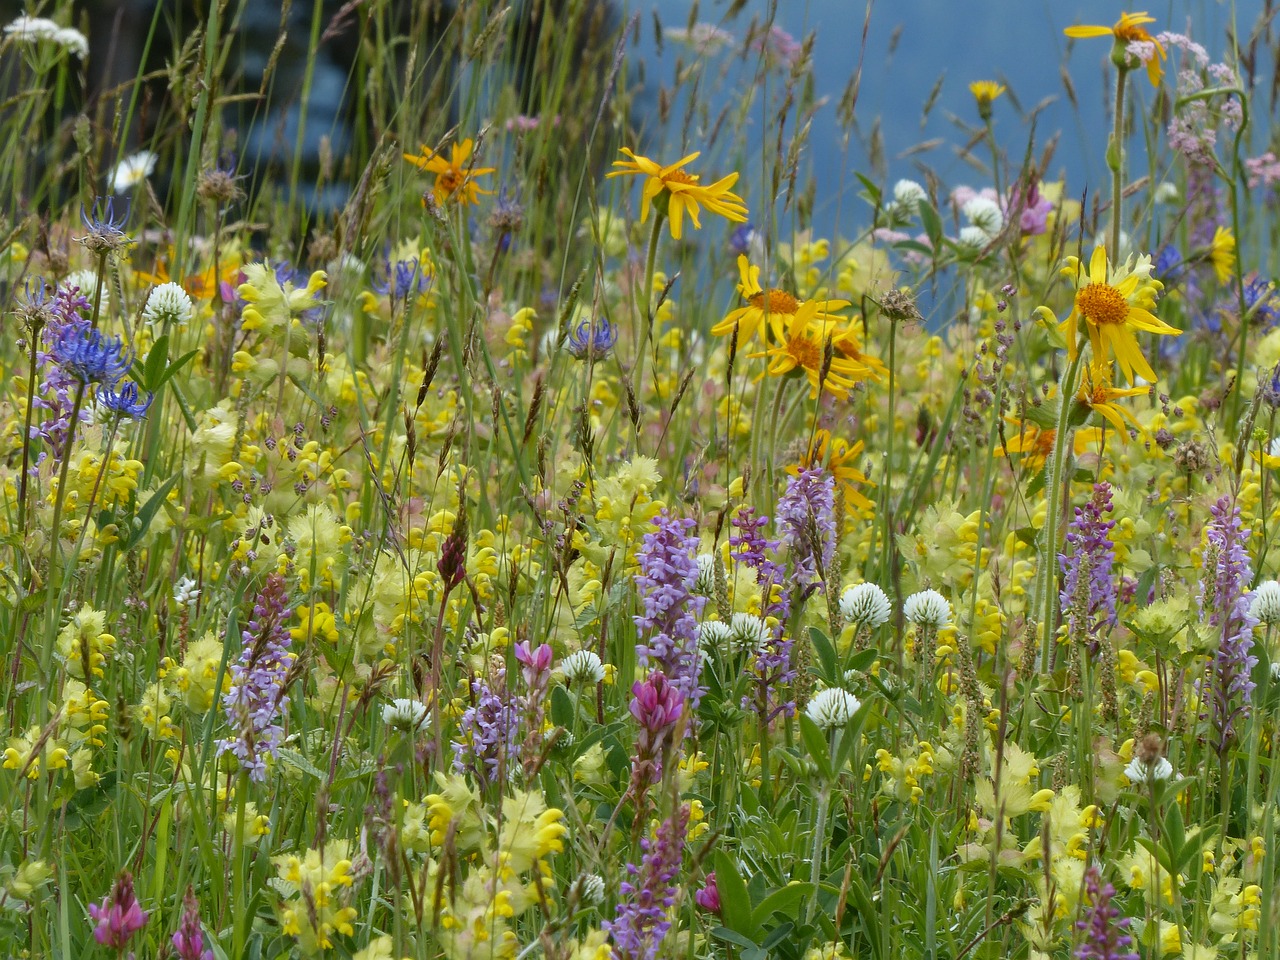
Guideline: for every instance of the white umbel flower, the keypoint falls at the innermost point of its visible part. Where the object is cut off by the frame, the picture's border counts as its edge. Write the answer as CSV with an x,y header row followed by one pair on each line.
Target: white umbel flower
x,y
405,714
168,304
928,608
1265,607
1139,772
832,708
582,666
132,170
185,592
34,29
865,605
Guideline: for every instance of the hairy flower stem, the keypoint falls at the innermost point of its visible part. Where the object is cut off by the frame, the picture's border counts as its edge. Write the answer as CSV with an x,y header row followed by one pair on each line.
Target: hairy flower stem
x,y
1115,161
646,302
819,842
1056,468
26,435
886,511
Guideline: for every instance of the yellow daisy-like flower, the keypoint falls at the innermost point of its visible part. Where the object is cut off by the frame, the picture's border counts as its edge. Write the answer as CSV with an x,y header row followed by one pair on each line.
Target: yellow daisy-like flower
x,y
798,344
1034,444
762,303
681,191
1128,29
840,458
1114,304
985,92
455,177
1097,393
847,341
1222,254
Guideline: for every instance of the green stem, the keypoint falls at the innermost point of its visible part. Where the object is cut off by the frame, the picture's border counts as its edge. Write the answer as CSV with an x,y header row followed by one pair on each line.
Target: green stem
x,y
819,842
239,909
646,315
1115,160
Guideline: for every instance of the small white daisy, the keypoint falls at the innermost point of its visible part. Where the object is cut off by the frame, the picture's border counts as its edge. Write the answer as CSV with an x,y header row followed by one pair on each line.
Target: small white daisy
x,y
405,714
132,170
865,605
832,708
928,608
583,666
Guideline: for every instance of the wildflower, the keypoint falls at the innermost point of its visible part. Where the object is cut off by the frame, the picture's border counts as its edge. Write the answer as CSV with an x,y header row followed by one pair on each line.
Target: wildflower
x,y
1097,393
1226,602
188,940
800,346
746,240
119,916
676,192
747,633
1128,29
1222,254
272,303
123,401
666,582
257,696
929,609
405,714
704,38
1265,606
708,898
806,517
404,278
985,214
582,666
88,356
27,29
592,338
985,92
1088,586
1106,933
589,889
314,888
642,920
168,305
839,457
489,731
657,706
1139,771
832,709
1114,304
106,229
132,170
764,305
865,605
455,177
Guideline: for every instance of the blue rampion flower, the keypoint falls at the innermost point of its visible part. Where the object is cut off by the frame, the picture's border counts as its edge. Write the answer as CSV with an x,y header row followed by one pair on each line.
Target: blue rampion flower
x,y
402,279
123,400
90,357
594,337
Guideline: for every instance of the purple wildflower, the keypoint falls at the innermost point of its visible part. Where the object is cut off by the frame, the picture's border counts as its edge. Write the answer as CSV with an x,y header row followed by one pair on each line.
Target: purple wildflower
x,y
1225,602
772,667
257,696
1106,932
667,579
489,729
535,668
806,516
1088,584
593,337
403,279
123,400
641,923
88,356
708,897
119,916
188,940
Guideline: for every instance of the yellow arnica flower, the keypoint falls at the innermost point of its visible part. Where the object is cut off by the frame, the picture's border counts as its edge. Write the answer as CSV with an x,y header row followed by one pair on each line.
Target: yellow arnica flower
x,y
800,344
1099,395
985,92
841,459
762,303
1114,305
455,177
681,192
1222,254
1128,29
1034,444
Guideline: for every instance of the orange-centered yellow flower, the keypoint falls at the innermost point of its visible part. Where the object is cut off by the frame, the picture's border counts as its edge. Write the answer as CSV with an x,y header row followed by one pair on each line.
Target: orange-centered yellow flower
x,y
1128,29
1097,393
677,192
800,344
771,302
455,177
1114,305
841,458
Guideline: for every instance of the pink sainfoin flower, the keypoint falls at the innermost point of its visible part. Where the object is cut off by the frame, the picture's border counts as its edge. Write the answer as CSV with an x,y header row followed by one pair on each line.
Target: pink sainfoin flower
x,y
188,941
708,897
118,917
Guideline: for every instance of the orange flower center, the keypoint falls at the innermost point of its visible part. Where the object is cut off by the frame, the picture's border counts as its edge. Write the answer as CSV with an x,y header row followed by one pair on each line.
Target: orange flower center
x,y
679,176
779,302
805,353
449,181
1044,442
1129,33
1102,303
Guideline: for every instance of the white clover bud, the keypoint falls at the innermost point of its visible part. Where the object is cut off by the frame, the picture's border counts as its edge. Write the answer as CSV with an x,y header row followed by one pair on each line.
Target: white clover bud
x,y
582,666
928,608
588,889
1265,607
866,605
1139,772
168,304
832,708
984,213
405,714
714,635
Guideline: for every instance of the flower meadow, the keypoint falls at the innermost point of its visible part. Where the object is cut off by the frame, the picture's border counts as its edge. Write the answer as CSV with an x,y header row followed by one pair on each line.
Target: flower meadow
x,y
564,547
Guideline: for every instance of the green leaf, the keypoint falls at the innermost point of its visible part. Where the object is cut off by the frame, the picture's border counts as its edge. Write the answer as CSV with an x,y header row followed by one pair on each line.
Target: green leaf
x,y
932,224
728,936
866,912
561,708
782,901
816,742
143,520
735,902
826,653
155,362
171,369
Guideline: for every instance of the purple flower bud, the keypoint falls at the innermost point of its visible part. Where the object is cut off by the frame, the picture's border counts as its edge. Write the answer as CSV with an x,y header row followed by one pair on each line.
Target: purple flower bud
x,y
118,917
708,897
188,941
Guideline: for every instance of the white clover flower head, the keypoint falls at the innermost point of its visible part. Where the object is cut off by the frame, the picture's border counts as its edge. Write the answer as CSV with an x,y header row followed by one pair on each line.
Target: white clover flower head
x,y
405,714
714,635
928,608
1166,192
132,170
582,666
984,213
832,708
747,633
589,888
86,281
865,605
706,582
972,238
1265,606
185,592
908,192
168,304
1139,772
